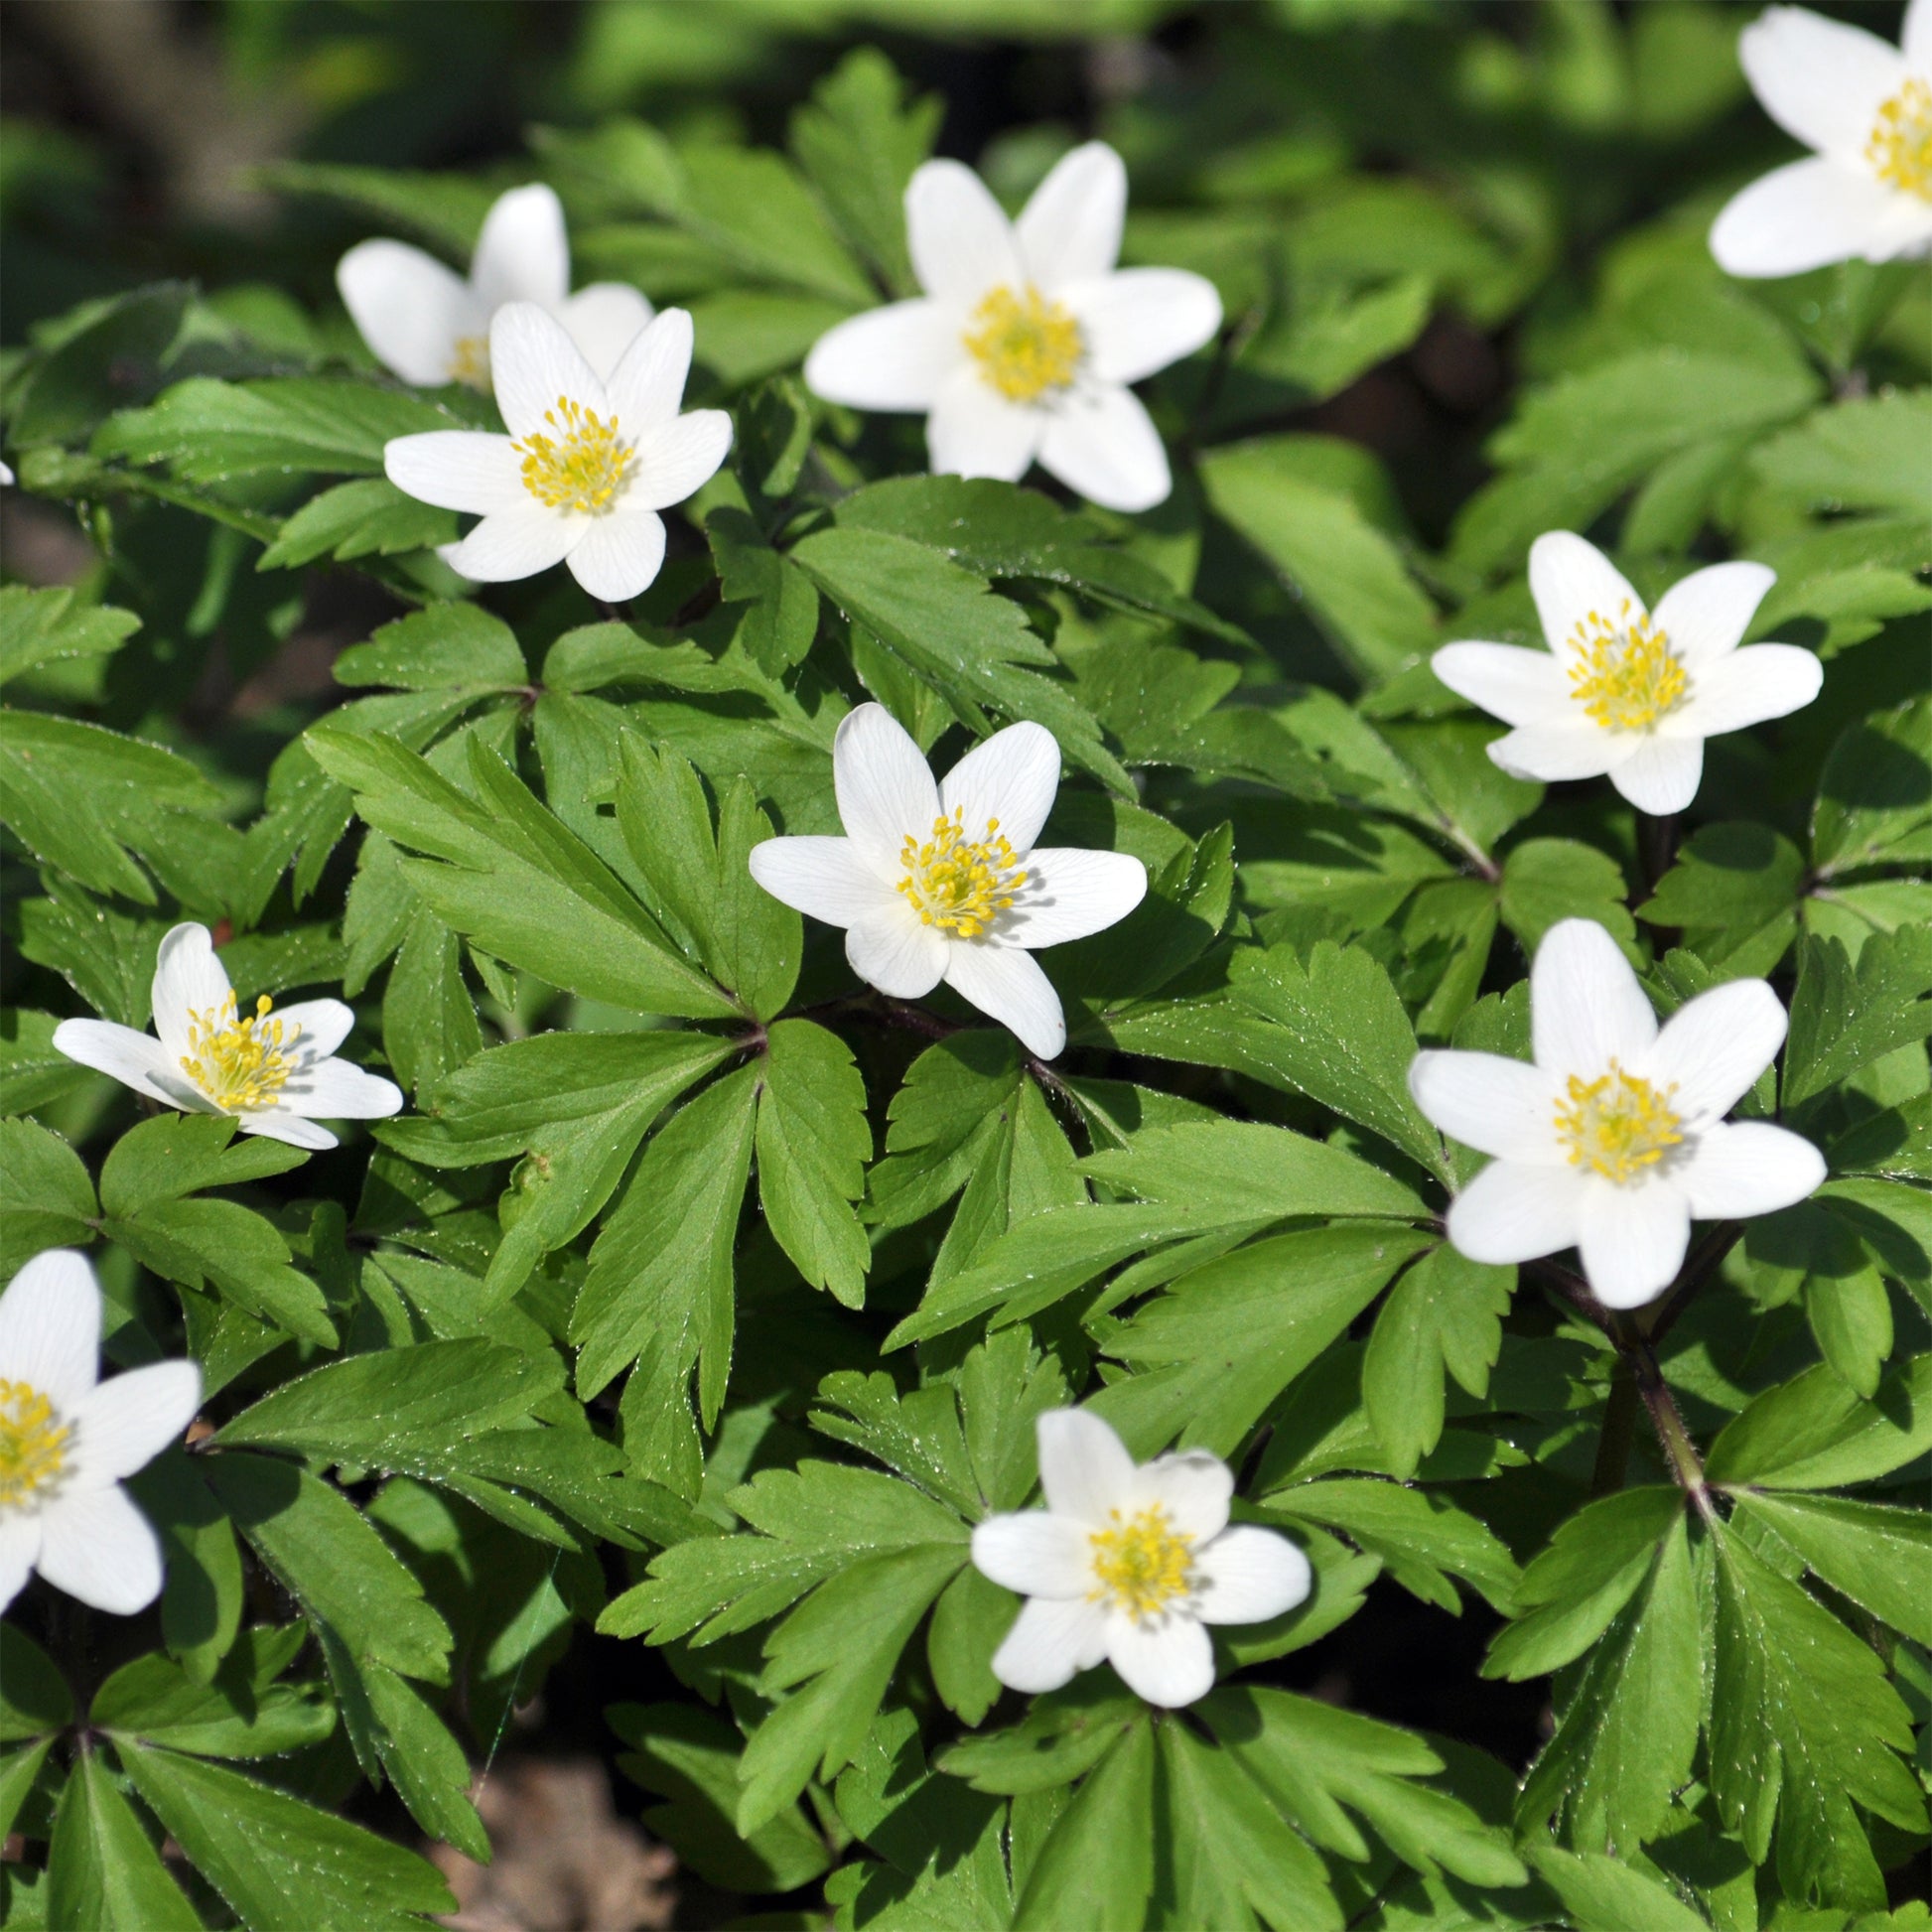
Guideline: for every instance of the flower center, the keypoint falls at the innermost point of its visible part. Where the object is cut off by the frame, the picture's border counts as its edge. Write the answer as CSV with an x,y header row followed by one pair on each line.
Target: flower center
x,y
238,1063
1023,343
33,1445
1900,146
471,362
584,467
1141,1566
1620,1125
1625,674
959,883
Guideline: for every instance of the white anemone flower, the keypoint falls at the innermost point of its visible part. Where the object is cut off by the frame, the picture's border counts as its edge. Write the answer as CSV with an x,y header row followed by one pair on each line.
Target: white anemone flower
x,y
273,1075
1628,691
942,882
1613,1140
1027,336
426,323
1130,1564
67,1440
6,473
587,465
1864,108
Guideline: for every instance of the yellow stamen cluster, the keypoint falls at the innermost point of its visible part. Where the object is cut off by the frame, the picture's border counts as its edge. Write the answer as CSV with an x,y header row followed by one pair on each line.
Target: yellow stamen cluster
x,y
471,362
957,884
240,1064
1900,146
582,467
1620,1125
33,1445
1142,1565
1023,343
1625,674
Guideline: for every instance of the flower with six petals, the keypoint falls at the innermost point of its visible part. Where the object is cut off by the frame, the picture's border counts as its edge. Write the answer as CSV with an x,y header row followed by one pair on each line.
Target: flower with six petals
x,y
1614,1139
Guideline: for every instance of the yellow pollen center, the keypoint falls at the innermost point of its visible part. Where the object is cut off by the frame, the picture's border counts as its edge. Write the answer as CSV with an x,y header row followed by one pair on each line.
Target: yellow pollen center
x,y
1620,1125
33,1445
1900,146
957,884
240,1064
471,362
1625,674
1142,1565
1023,343
584,467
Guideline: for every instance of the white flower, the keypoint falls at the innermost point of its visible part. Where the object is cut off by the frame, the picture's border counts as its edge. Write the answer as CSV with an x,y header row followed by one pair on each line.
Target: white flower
x,y
1866,109
6,473
939,882
1626,691
1130,1564
430,327
586,466
273,1075
1615,1139
65,1442
1027,336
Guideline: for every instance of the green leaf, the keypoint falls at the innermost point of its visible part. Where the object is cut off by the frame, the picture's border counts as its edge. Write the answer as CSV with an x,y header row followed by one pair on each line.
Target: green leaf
x,y
33,1695
46,1197
1881,1558
1095,1871
1814,1433
369,518
34,1073
115,356
445,211
175,1155
813,1142
155,1702
1866,453
779,628
103,1875
200,1601
19,1770
1734,894
457,647
1875,796
1602,1896
429,1020
1546,880
1846,1016
47,627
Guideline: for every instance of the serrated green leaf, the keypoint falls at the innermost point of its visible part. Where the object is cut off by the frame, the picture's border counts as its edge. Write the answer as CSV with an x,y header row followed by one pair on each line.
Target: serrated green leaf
x,y
44,626
813,1142
1095,1871
1814,1433
1878,1556
1443,1316
103,1874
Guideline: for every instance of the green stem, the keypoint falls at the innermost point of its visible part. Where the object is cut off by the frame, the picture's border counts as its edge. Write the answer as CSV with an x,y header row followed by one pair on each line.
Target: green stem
x,y
1685,1464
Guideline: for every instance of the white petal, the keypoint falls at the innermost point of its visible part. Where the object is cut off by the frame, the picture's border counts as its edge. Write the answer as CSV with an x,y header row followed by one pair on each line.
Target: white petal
x,y
825,878
1012,777
137,1061
1070,893
121,1425
533,361
1521,687
894,357
1170,1663
1511,1213
1249,1575
604,320
96,1546
1008,984
510,544
1750,685
960,241
188,980
620,555
679,458
1662,775
1050,1641
1550,753
1915,42
1143,319
1085,1471
340,1090
1585,1006
1811,213
458,470
1035,1553
1102,443
1633,1239
279,1124
1747,1168
895,953
974,431
1705,615
1069,229
410,309
1819,79
1193,1487
1495,1105
20,1544
50,1326
1712,1048
1570,580
522,253
317,1027
647,384
885,788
